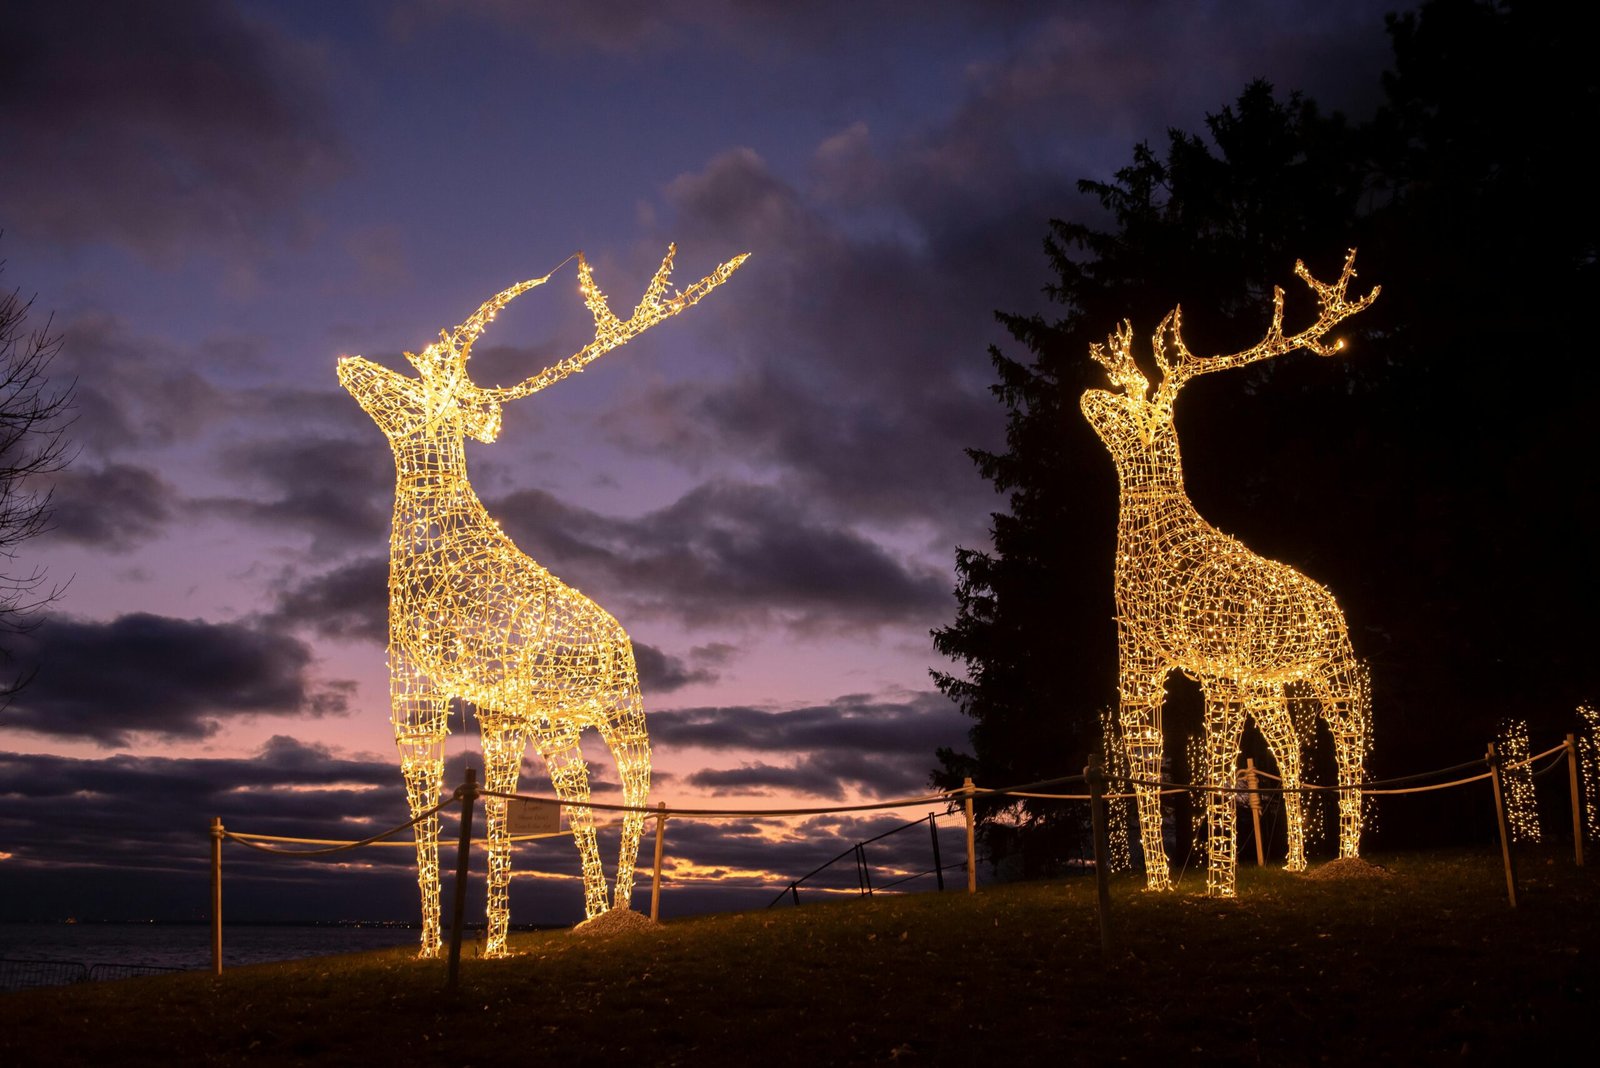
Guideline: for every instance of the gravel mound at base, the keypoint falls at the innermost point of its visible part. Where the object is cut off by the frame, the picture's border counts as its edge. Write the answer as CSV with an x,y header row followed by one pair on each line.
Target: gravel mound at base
x,y
616,921
1348,868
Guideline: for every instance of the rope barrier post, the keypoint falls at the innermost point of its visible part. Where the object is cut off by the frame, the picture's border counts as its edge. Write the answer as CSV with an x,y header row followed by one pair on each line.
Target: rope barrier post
x,y
972,841
655,875
216,894
1250,783
1096,776
938,866
1500,815
1577,804
794,892
866,872
468,794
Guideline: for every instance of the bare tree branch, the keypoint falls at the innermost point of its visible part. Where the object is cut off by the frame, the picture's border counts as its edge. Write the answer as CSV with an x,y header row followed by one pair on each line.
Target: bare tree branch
x,y
34,416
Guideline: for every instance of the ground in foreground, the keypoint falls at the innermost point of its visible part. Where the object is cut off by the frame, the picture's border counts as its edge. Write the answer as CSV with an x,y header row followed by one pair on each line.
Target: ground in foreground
x,y
1423,962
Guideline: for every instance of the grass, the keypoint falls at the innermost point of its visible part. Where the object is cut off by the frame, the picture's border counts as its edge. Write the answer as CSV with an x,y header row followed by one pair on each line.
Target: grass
x,y
1428,964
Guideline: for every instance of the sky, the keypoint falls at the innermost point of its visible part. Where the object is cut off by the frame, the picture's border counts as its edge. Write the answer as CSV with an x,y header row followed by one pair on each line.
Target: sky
x,y
210,202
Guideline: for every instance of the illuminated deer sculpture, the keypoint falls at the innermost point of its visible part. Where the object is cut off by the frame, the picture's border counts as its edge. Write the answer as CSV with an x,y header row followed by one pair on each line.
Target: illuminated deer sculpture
x,y
1194,599
471,618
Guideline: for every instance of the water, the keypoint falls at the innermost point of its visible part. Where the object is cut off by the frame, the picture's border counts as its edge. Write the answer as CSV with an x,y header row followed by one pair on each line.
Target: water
x,y
188,946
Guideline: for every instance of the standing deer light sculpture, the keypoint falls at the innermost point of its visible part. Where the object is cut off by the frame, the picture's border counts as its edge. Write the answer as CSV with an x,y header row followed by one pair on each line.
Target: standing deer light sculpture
x,y
1191,598
472,618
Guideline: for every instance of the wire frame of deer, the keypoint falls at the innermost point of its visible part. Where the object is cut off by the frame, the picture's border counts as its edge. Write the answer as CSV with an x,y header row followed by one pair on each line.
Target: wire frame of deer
x,y
1192,599
474,619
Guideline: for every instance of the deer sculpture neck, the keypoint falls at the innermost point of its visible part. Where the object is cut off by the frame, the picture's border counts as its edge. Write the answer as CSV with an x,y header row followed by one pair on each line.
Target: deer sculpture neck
x,y
1193,599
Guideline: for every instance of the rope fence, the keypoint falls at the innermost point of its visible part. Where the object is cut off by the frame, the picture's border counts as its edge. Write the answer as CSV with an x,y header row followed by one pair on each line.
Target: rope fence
x,y
1490,767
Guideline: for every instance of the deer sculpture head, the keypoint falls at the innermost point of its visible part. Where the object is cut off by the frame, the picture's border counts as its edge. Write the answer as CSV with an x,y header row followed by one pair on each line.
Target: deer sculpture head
x,y
442,401
1136,423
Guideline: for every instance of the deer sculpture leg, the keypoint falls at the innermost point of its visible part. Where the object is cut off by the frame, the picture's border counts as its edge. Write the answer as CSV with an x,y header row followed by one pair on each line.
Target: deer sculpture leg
x,y
624,734
1345,694
1225,714
1143,689
1272,719
420,728
502,760
569,775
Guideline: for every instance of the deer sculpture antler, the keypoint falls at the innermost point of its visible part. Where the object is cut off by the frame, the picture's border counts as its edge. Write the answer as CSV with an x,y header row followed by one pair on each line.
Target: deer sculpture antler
x,y
448,356
1121,367
609,331
1178,365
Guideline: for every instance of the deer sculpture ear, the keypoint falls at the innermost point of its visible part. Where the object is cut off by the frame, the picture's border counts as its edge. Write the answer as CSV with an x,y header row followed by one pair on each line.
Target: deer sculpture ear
x,y
482,420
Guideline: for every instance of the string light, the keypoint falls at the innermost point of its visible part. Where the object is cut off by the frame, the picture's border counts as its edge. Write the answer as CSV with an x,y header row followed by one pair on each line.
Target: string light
x,y
1516,778
1118,811
1589,767
1194,762
1191,598
472,618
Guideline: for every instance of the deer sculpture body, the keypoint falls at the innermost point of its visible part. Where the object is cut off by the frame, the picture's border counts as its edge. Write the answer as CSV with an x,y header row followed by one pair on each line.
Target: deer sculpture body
x,y
1191,598
472,618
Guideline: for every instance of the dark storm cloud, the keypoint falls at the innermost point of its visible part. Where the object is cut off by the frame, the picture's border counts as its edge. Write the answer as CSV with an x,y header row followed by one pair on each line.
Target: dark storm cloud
x,y
132,829
882,748
829,775
157,125
336,490
135,826
125,836
862,369
173,678
727,551
864,317
759,779
640,25
853,723
190,781
132,391
113,507
351,601
661,673
136,391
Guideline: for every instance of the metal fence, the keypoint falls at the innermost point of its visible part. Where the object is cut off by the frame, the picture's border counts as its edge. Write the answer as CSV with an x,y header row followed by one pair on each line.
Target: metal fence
x,y
20,974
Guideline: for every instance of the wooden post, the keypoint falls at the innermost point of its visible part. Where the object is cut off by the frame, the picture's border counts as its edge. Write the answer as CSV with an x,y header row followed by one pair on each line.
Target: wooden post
x,y
1505,837
938,866
1096,776
972,841
1250,783
655,876
468,794
216,894
1577,801
794,892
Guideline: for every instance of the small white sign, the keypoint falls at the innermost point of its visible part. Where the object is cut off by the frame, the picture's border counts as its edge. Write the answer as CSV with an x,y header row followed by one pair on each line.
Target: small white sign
x,y
532,817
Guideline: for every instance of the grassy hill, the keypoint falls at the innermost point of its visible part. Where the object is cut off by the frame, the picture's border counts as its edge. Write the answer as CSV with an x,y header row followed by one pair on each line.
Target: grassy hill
x,y
1424,963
